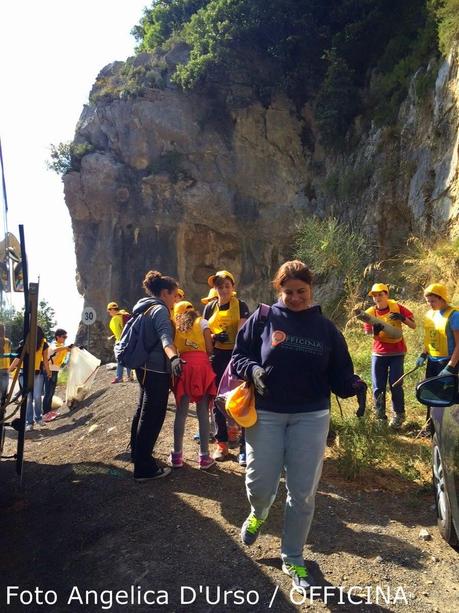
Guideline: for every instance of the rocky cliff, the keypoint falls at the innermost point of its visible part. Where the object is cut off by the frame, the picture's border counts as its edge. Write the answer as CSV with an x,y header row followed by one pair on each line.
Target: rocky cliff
x,y
190,183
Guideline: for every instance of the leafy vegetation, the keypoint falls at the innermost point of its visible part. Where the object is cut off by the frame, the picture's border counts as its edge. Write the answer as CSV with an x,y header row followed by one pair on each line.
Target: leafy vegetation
x,y
335,253
426,263
447,13
326,51
14,321
65,157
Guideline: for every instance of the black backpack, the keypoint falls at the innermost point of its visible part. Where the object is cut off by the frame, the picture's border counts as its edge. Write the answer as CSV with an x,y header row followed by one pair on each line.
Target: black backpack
x,y
130,350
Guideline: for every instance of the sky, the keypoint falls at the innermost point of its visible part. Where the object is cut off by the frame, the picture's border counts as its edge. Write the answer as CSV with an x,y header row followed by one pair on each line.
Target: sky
x,y
51,52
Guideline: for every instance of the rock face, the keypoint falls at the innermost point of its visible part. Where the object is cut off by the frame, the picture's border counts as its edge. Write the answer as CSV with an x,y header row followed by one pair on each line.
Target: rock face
x,y
188,184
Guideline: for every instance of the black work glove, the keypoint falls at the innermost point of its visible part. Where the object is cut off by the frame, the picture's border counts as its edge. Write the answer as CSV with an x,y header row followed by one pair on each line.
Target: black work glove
x,y
397,317
221,337
177,365
361,394
421,359
258,378
377,328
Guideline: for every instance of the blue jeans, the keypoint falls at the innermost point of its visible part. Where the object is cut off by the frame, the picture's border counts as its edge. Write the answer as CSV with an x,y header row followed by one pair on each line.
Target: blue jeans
x,y
384,367
119,371
34,411
294,442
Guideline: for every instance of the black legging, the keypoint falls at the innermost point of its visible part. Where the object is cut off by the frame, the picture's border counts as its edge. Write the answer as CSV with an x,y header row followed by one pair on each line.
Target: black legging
x,y
221,358
149,417
433,368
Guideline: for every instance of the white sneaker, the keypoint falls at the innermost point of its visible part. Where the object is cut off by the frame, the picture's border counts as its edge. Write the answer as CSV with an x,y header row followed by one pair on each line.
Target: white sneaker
x,y
29,427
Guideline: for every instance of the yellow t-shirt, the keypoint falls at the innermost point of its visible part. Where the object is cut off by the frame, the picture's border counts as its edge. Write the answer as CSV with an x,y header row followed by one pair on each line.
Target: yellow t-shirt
x,y
5,362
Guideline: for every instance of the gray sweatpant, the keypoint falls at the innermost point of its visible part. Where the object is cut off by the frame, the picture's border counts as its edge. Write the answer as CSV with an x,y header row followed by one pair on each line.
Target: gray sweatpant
x,y
202,410
294,442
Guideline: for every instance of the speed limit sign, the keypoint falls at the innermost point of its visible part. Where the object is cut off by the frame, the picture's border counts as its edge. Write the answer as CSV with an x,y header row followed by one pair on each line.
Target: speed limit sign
x,y
88,316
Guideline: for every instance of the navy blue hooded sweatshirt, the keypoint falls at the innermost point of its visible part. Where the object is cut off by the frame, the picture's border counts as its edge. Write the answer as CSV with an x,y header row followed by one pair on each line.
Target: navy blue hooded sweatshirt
x,y
304,354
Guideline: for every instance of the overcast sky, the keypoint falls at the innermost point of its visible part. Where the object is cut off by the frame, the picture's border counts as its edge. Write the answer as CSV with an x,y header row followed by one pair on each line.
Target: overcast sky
x,y
51,53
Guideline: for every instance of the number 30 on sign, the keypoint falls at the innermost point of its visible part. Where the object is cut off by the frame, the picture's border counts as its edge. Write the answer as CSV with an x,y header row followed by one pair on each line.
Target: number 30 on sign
x,y
88,317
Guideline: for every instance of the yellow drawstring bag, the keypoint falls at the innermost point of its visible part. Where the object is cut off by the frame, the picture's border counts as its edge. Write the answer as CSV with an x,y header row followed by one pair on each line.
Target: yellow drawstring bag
x,y
240,405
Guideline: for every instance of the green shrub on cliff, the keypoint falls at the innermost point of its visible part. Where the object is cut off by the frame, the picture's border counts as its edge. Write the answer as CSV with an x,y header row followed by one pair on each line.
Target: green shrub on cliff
x,y
447,12
65,157
337,255
327,52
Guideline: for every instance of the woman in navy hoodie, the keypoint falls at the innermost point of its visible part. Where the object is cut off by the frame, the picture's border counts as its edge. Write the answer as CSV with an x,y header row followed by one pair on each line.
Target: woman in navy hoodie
x,y
294,361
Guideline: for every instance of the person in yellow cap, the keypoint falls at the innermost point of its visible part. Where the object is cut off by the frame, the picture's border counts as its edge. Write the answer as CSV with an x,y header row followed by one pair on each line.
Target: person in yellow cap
x,y
193,341
388,354
226,313
441,334
210,296
118,319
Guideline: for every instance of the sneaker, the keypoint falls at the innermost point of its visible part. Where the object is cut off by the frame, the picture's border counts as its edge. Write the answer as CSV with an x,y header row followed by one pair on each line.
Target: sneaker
x,y
162,471
50,416
397,420
176,459
221,452
116,380
40,424
381,415
251,529
242,459
29,427
205,461
299,574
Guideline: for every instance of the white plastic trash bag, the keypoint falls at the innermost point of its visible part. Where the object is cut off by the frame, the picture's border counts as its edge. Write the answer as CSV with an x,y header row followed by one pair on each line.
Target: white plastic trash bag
x,y
82,367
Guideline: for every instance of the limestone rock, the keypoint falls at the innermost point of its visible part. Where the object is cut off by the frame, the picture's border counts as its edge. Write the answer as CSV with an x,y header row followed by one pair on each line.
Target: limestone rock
x,y
189,183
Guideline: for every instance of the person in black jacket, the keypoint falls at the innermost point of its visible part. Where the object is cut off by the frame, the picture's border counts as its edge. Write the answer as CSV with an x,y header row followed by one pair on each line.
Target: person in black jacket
x,y
154,376
294,364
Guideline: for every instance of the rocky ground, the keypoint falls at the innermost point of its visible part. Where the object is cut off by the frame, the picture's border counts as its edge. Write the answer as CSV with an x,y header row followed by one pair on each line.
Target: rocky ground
x,y
81,523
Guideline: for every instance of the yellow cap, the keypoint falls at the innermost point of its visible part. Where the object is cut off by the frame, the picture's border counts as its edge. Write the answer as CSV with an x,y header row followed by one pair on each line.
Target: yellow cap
x,y
180,292
210,296
438,289
182,307
378,287
112,305
223,274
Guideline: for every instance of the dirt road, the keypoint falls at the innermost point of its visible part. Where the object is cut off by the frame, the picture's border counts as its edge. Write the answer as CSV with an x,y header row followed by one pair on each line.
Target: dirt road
x,y
81,523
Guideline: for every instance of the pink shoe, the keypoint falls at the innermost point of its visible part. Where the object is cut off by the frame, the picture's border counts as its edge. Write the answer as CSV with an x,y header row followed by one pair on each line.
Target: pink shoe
x,y
176,459
205,461
50,416
116,380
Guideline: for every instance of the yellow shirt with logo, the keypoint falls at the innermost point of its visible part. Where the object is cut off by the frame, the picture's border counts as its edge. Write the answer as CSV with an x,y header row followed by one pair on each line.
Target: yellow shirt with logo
x,y
435,336
192,339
